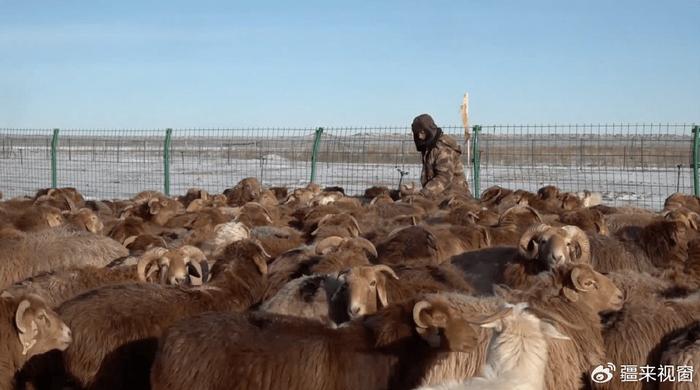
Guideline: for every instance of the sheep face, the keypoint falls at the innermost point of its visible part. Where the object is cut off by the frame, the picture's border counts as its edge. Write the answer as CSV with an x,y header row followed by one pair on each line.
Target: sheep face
x,y
39,328
547,192
593,289
365,288
53,217
161,210
89,220
555,246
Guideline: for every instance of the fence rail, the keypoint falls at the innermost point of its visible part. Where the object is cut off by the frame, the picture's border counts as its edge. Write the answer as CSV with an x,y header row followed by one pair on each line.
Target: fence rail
x,y
638,164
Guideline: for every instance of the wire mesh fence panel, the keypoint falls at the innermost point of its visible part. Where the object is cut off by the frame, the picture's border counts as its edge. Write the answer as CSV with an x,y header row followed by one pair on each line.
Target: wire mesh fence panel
x,y
216,159
106,164
628,164
25,161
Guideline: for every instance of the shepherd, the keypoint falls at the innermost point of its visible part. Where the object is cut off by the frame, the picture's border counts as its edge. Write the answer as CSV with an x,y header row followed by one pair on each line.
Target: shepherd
x,y
442,171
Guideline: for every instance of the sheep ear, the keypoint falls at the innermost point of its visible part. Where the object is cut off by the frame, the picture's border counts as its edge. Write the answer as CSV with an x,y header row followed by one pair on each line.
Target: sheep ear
x,y
550,331
495,325
26,326
261,264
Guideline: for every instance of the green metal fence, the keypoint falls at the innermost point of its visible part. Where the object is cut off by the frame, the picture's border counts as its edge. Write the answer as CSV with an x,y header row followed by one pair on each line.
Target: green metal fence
x,y
629,164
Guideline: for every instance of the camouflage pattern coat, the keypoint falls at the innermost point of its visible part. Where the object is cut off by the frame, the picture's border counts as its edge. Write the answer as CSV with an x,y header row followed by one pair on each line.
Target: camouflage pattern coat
x,y
442,168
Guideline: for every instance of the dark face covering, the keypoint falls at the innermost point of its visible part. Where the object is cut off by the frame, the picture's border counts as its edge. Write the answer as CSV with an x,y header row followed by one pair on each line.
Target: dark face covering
x,y
424,123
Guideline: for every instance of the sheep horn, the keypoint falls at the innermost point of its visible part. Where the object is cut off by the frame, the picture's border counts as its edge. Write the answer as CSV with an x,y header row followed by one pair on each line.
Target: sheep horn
x,y
367,245
198,279
268,216
387,269
515,208
527,239
417,309
490,318
327,244
192,252
356,225
579,236
146,259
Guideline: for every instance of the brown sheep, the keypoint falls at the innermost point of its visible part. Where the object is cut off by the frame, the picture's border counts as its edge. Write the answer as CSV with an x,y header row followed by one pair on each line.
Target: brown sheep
x,y
660,245
587,219
247,190
678,200
54,249
365,289
423,245
577,294
541,248
683,349
265,351
139,312
183,266
38,218
277,240
28,327
84,219
339,225
634,334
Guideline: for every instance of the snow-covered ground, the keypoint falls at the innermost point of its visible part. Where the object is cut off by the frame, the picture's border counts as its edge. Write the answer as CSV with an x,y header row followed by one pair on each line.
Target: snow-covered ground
x,y
111,179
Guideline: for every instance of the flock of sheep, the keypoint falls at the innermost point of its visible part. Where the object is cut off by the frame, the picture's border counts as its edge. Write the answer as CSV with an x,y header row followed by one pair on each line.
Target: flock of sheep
x,y
265,288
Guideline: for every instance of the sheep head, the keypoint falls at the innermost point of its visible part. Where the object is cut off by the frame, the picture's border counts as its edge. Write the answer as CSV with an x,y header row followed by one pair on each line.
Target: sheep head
x,y
584,284
555,246
39,328
441,326
185,266
87,219
162,209
345,220
335,243
247,190
365,288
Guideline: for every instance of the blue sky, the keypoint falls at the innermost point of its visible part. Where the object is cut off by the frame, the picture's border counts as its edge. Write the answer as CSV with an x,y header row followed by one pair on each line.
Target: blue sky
x,y
112,64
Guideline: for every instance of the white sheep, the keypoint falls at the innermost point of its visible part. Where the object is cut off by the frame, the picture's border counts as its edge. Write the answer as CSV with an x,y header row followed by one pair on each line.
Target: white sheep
x,y
517,354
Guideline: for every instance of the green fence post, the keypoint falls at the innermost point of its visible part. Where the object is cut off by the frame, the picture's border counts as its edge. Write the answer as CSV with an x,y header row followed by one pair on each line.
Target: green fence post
x,y
696,141
476,161
54,146
166,162
314,153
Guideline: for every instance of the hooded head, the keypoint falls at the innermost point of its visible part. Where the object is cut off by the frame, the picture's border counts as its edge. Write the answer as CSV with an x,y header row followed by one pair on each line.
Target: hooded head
x,y
425,132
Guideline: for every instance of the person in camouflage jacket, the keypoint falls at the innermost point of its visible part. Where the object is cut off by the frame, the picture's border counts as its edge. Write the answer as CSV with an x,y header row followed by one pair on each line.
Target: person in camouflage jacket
x,y
441,156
